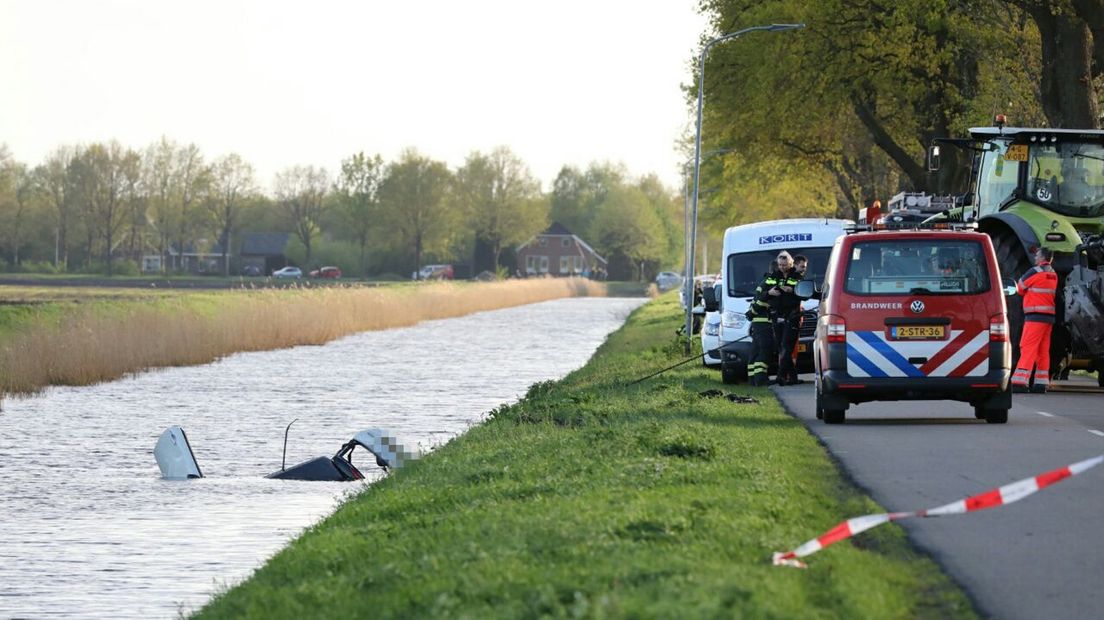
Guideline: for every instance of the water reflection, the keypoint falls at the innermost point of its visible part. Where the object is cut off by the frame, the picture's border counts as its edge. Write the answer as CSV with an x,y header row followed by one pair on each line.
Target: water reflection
x,y
88,528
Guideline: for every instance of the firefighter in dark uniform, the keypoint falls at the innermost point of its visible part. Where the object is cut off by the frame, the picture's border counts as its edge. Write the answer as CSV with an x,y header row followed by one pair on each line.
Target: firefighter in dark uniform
x,y
762,335
786,311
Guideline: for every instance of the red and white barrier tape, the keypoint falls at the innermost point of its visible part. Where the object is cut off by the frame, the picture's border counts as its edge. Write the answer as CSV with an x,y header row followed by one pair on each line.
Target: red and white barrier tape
x,y
990,499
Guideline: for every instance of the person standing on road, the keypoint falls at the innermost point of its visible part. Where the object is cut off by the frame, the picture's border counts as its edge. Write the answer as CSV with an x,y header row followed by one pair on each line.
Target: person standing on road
x,y
786,310
762,336
1038,287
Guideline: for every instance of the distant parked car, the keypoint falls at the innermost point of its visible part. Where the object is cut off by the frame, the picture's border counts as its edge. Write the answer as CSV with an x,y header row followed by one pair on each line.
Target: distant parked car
x,y
435,272
667,280
251,270
331,272
288,272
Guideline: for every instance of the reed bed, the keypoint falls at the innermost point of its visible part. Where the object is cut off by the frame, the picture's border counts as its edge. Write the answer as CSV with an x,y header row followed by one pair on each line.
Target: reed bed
x,y
100,343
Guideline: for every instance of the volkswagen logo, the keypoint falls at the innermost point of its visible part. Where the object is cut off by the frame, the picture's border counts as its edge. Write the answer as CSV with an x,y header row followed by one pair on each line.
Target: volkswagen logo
x,y
917,306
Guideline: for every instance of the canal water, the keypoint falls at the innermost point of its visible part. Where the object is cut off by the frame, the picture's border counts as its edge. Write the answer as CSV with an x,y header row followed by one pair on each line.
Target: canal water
x,y
89,529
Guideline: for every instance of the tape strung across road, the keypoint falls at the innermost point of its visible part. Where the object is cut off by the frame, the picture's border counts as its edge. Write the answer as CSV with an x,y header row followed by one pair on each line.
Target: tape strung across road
x,y
992,498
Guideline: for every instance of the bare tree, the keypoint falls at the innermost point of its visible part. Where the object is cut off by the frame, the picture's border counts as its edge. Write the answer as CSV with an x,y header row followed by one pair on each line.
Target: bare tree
x,y
231,182
158,178
16,192
52,179
189,178
300,191
106,179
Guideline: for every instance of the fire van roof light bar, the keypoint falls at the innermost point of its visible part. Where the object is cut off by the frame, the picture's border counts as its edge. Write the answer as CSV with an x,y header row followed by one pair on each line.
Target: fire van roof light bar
x,y
911,226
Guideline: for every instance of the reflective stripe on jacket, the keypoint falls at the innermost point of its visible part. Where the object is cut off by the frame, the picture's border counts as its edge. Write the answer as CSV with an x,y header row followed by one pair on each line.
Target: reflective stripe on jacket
x,y
760,307
1038,287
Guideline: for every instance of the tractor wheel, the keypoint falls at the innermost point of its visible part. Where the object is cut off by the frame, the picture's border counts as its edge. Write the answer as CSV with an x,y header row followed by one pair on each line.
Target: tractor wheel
x,y
1013,261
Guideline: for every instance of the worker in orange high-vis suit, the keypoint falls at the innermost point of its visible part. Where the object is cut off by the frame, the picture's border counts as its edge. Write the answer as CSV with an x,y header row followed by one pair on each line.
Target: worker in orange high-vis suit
x,y
1038,287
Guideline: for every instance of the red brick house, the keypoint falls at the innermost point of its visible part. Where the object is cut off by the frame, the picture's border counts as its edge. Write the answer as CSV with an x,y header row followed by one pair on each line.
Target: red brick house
x,y
559,252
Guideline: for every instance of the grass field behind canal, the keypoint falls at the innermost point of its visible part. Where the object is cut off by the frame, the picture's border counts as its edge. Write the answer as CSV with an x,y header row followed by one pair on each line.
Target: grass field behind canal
x,y
70,336
592,498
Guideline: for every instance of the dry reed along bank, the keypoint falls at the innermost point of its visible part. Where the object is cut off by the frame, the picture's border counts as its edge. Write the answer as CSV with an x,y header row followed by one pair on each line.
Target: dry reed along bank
x,y
98,341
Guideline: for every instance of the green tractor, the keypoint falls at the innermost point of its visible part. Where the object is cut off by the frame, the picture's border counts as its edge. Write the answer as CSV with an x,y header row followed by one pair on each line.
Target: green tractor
x,y
1032,187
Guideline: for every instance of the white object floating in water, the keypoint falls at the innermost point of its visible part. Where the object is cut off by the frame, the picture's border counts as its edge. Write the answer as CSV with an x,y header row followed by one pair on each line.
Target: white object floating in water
x,y
174,455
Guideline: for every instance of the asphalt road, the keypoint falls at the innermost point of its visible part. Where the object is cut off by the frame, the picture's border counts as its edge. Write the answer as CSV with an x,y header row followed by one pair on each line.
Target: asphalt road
x,y
1041,557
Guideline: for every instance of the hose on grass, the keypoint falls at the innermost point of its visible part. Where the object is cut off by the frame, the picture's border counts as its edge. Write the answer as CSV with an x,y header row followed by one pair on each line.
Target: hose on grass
x,y
690,359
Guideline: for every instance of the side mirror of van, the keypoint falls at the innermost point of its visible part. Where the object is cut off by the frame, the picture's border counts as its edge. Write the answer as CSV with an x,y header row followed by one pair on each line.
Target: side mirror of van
x,y
933,158
709,298
805,289
1009,286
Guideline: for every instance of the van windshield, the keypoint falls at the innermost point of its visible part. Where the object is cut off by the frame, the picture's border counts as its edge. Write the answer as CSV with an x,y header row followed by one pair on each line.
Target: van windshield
x,y
746,269
917,266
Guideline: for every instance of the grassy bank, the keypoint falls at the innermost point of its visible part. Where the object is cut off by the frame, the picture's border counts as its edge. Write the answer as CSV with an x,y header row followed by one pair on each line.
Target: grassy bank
x,y
104,335
593,498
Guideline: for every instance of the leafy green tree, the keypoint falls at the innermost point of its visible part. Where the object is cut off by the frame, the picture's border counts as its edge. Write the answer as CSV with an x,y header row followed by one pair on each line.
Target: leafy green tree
x,y
1071,49
501,199
301,192
627,229
357,193
576,194
415,200
668,209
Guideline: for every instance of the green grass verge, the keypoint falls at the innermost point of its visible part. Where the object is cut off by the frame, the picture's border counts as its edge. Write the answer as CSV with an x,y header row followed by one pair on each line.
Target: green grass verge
x,y
596,499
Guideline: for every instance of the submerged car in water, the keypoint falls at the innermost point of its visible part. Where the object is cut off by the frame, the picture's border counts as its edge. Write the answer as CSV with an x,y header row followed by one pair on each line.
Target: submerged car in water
x,y
177,461
381,444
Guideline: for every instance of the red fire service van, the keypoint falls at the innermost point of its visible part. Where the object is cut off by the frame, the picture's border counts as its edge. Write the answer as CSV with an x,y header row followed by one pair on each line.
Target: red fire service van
x,y
912,315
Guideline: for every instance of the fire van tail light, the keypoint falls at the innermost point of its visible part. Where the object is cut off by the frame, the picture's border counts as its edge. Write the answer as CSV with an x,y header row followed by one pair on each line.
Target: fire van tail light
x,y
998,328
835,328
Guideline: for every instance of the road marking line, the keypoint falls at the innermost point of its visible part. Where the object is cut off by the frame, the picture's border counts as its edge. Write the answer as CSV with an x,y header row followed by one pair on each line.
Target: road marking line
x,y
1043,413
1096,432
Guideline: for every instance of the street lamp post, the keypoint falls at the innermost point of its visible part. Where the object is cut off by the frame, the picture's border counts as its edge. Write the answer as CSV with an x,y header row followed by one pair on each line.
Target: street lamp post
x,y
697,158
688,283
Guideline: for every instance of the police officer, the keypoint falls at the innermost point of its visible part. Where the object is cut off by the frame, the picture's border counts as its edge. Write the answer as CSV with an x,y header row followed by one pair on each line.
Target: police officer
x,y
762,335
786,310
1038,287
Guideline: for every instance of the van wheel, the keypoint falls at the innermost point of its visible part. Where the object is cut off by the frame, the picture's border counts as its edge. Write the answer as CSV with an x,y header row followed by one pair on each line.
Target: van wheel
x,y
733,373
996,416
819,407
980,412
834,416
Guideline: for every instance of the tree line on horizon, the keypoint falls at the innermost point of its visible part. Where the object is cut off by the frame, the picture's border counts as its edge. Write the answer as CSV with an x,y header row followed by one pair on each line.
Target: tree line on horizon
x,y
101,207
826,119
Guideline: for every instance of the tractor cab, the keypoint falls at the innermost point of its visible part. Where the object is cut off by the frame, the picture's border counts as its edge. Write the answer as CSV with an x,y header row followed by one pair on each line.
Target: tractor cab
x,y
1060,171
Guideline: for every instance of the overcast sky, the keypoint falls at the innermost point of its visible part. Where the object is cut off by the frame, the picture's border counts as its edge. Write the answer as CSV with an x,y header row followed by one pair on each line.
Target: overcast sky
x,y
284,83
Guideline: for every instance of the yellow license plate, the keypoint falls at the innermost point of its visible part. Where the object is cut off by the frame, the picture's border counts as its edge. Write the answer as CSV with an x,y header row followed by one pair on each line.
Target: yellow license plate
x,y
916,332
801,348
1016,152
